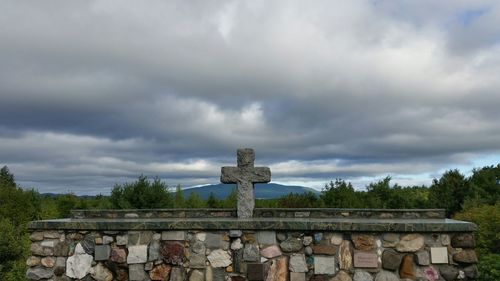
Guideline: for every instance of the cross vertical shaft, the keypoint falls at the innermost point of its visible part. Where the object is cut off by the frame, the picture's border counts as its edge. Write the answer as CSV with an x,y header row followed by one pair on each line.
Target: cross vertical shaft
x,y
245,175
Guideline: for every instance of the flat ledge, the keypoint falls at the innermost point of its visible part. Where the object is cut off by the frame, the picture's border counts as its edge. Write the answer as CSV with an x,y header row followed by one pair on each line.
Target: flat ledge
x,y
299,224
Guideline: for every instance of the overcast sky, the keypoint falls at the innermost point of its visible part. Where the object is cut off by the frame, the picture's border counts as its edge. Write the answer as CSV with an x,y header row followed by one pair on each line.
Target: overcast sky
x,y
95,93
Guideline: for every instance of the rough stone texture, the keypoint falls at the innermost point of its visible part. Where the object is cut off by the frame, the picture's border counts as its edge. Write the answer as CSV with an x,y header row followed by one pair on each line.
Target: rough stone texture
x,y
139,237
177,274
345,255
410,243
251,253
297,276
219,258
422,258
324,249
173,235
363,242
78,265
324,265
445,239
471,272
336,238
406,269
121,240
465,256
201,236
342,276
36,236
118,255
278,270
136,272
361,275
154,250
266,237
37,273
107,239
196,275
234,233
306,241
88,244
255,271
101,273
160,272
213,241
245,175
236,244
33,261
386,276
271,252
297,263
391,260
463,240
291,245
61,249
137,254
197,260
431,273
102,252
48,261
449,273
390,240
173,252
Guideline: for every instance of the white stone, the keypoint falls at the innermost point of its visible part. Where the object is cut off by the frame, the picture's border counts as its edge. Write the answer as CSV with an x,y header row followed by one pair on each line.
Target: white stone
x,y
79,264
386,276
121,240
297,276
48,243
219,258
410,243
236,245
107,239
137,254
173,235
445,239
361,275
336,238
439,255
297,263
307,240
157,236
263,259
324,265
201,236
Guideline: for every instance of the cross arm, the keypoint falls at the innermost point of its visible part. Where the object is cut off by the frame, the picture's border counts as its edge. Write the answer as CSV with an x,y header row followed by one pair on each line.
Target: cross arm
x,y
229,174
261,175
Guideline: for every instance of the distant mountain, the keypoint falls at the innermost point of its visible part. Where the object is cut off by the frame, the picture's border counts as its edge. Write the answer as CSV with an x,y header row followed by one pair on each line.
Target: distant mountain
x,y
262,190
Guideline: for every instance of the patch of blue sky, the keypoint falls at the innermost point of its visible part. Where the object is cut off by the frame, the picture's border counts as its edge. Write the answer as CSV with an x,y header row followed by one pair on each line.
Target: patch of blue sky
x,y
470,16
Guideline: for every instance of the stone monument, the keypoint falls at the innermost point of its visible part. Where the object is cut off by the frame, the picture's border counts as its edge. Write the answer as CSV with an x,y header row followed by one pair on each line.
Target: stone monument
x,y
245,175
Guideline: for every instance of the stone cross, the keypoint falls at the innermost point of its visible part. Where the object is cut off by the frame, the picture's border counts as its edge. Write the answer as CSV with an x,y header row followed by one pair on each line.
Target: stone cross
x,y
245,175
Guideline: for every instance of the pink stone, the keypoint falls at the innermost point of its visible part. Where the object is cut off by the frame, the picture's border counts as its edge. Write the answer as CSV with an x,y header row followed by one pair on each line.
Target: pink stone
x,y
278,270
270,252
431,273
118,255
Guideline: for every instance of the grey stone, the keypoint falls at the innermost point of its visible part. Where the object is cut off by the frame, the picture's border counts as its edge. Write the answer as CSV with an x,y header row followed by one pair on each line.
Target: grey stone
x,y
219,274
196,275
36,236
471,272
281,236
386,276
107,239
197,260
53,234
177,274
37,273
121,240
391,260
266,237
448,272
139,237
235,233
336,238
219,258
307,240
137,254
148,266
213,240
198,247
324,265
297,263
245,175
173,235
308,250
33,261
390,240
463,240
297,276
423,258
154,250
136,272
291,245
88,244
251,253
101,273
361,275
102,252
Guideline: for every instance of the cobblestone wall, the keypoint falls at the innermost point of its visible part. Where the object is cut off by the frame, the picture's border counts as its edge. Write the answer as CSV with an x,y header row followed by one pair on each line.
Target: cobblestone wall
x,y
250,255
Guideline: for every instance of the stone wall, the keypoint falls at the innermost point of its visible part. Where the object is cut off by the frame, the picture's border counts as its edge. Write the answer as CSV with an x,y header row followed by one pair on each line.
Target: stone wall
x,y
249,254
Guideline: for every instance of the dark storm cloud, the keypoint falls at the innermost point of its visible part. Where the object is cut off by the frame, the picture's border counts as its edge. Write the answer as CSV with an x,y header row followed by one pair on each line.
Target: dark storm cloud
x,y
94,93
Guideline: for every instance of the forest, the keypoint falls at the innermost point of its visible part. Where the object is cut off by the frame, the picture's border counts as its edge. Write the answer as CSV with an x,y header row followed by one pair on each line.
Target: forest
x,y
475,198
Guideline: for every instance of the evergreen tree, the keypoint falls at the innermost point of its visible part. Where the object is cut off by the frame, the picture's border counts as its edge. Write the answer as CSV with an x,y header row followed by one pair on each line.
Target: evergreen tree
x,y
212,201
6,178
179,201
142,194
449,192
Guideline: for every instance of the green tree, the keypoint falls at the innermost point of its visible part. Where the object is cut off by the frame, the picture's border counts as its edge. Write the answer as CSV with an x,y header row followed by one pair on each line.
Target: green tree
x,y
296,200
231,200
6,178
194,201
179,201
213,202
485,185
141,194
340,194
449,192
